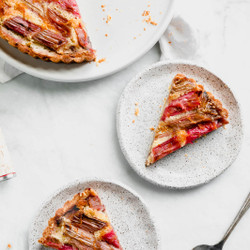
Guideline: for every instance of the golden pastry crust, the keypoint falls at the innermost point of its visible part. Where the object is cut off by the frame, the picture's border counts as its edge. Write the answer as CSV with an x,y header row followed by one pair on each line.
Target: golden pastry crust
x,y
61,23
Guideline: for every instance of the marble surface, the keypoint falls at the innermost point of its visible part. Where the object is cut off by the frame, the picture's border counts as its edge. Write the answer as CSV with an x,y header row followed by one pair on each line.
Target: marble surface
x,y
59,132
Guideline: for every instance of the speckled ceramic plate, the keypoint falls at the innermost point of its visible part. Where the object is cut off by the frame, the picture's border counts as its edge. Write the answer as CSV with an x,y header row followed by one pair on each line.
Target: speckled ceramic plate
x,y
194,164
127,212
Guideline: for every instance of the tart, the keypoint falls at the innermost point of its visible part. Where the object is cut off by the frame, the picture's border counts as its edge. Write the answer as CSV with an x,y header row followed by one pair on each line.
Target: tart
x,y
189,113
48,29
81,224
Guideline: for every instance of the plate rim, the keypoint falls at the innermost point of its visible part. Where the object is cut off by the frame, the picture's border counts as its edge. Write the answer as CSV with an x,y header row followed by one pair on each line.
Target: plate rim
x,y
82,181
26,69
118,121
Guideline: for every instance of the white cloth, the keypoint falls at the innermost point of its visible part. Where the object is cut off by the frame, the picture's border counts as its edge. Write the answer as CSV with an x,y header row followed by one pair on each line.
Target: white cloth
x,y
180,41
7,72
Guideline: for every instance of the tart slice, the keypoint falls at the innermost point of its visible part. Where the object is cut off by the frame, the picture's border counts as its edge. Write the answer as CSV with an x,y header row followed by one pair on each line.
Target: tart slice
x,y
48,29
189,113
81,224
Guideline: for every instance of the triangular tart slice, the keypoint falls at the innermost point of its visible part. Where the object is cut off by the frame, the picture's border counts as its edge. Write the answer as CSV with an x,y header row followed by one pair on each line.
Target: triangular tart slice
x,y
48,29
189,113
81,224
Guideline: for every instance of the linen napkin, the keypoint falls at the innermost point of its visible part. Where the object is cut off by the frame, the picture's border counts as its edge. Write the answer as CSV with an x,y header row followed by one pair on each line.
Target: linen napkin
x,y
180,41
7,72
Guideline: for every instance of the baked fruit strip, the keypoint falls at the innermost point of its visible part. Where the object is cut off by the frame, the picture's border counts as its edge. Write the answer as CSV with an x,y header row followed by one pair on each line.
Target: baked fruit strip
x,y
81,224
189,113
48,29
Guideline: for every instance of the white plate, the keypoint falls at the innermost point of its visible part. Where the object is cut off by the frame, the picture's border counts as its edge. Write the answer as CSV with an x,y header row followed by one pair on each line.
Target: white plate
x,y
119,48
194,164
127,212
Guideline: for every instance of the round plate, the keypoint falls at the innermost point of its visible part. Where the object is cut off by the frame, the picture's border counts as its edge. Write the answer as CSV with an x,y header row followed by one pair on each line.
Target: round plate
x,y
126,39
194,164
127,212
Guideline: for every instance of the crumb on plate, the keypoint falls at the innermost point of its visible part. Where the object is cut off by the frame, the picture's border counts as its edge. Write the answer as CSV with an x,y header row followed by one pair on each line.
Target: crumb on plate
x,y
133,121
136,103
137,111
150,21
152,128
169,42
106,35
9,245
145,13
101,60
154,23
108,19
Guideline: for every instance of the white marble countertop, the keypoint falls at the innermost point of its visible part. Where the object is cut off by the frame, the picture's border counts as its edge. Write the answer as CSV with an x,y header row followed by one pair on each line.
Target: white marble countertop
x,y
57,132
